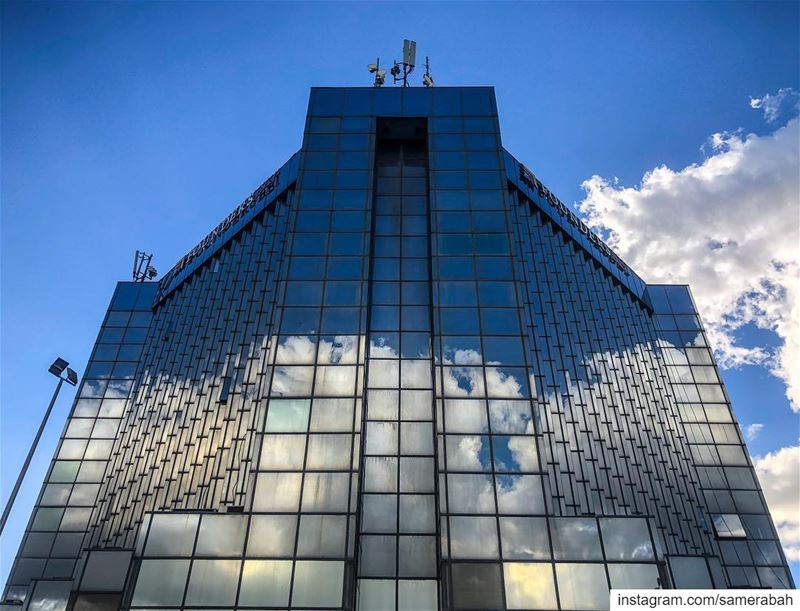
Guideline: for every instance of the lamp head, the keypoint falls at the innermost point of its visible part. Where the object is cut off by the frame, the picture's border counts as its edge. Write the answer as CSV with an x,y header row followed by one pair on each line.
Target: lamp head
x,y
72,376
58,366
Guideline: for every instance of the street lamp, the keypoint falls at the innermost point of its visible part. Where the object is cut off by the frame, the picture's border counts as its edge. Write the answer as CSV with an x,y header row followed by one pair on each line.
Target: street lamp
x,y
60,368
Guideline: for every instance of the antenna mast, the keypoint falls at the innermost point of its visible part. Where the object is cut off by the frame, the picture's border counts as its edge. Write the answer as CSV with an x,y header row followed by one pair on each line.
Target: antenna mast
x,y
401,71
409,61
142,270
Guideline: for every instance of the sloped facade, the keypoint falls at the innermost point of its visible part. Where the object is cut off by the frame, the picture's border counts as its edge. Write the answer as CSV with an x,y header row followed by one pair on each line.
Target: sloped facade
x,y
402,374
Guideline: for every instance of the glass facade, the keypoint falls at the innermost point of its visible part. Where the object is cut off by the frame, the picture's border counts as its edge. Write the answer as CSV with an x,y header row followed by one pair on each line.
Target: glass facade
x,y
401,376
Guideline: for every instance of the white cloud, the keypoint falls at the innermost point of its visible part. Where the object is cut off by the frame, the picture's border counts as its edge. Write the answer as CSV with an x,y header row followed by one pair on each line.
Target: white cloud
x,y
772,104
751,431
729,227
779,475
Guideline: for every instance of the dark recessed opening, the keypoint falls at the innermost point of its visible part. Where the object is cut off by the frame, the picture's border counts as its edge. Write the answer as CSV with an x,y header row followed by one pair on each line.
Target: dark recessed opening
x,y
402,128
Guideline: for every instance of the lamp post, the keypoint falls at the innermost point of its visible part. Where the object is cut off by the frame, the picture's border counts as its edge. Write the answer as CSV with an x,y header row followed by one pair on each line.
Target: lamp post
x,y
59,367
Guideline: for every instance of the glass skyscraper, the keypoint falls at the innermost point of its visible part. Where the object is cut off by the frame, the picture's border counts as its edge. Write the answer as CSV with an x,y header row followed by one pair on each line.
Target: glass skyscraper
x,y
402,375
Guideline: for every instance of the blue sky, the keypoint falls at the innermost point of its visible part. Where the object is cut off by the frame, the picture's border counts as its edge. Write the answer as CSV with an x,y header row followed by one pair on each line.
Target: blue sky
x,y
139,126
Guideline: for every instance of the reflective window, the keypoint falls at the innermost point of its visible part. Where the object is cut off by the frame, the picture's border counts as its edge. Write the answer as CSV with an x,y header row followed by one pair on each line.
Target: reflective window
x,y
160,582
213,582
271,535
575,539
265,583
417,513
529,586
277,492
282,452
171,534
633,576
476,586
689,572
417,595
626,539
376,594
378,556
288,415
221,535
318,583
519,494
728,525
328,451
582,586
326,492
379,513
50,596
524,538
321,536
416,556
473,537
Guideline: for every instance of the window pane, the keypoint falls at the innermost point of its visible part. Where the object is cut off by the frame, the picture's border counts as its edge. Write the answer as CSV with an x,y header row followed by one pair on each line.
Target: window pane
x,y
277,492
378,556
626,539
416,438
468,453
335,381
328,451
221,535
161,582
517,453
282,452
417,513
171,535
287,415
321,536
476,586
524,538
465,416
50,596
519,494
470,493
689,572
472,537
271,536
326,492
265,583
291,381
582,586
382,404
633,576
575,539
417,595
728,525
508,416
379,513
376,594
318,583
416,556
416,475
380,474
529,586
332,415
213,582
381,438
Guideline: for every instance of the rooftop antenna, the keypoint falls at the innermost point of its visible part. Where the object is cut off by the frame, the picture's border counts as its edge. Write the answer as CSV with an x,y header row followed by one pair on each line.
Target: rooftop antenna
x,y
409,61
380,75
427,79
142,270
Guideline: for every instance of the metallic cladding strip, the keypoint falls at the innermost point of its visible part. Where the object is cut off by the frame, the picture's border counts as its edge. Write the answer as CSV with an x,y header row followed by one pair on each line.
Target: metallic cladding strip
x,y
534,190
